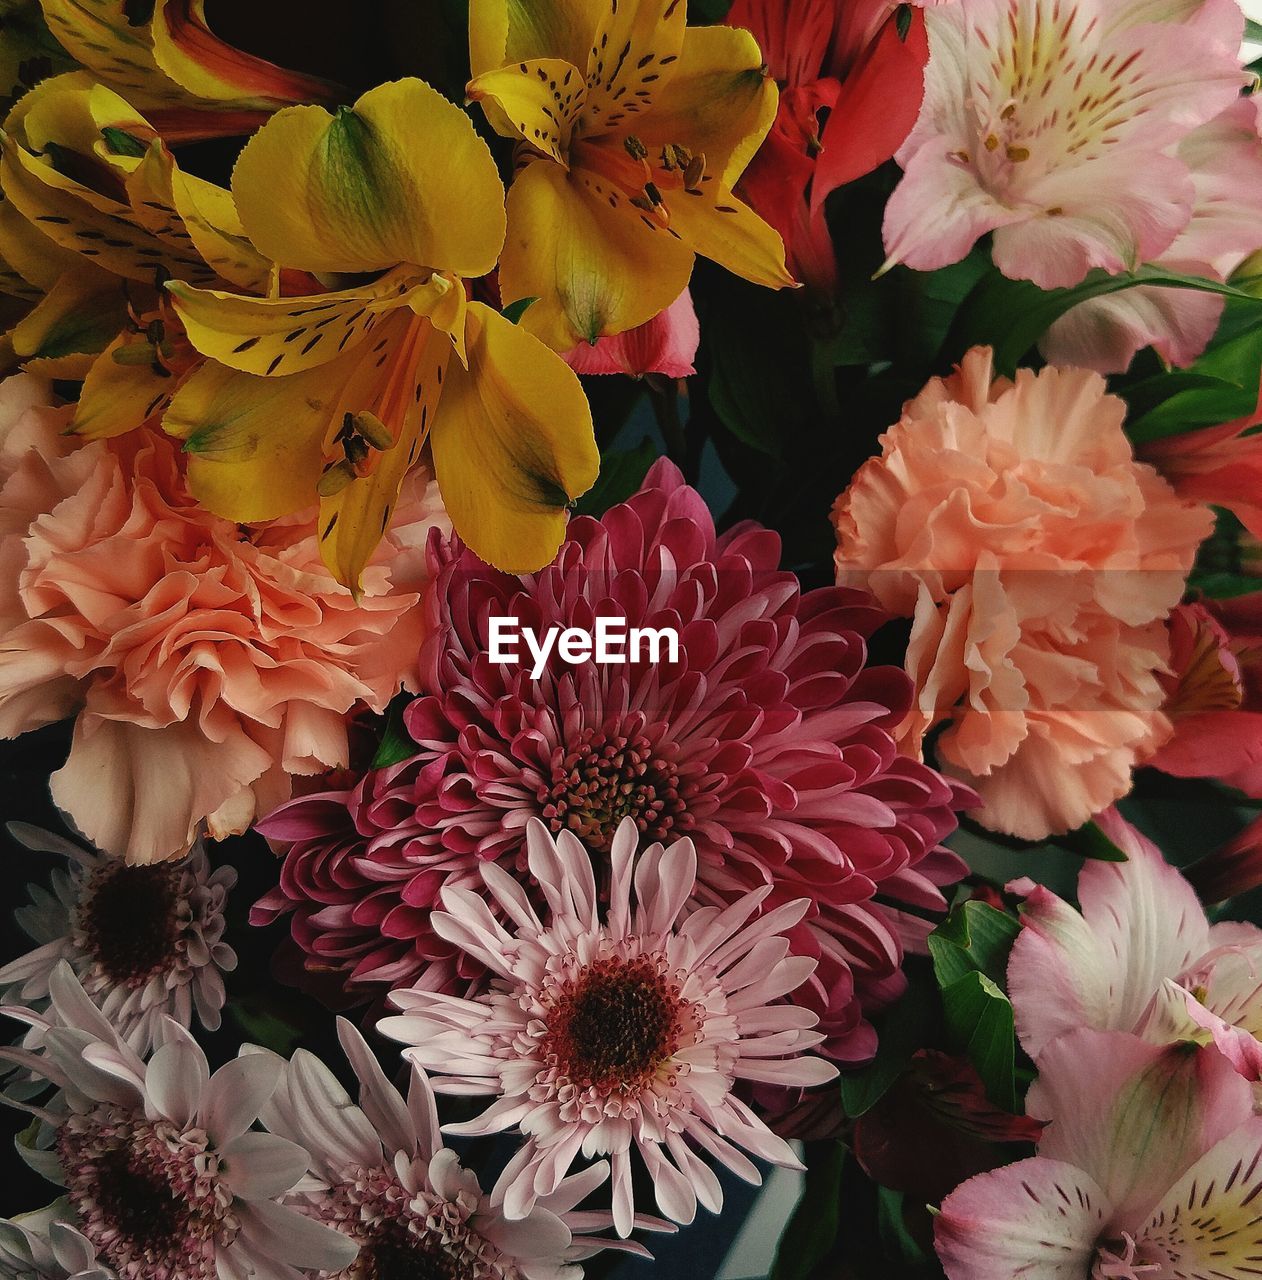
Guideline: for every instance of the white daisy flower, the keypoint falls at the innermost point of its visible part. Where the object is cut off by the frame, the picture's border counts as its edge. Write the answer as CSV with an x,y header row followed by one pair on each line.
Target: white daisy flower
x,y
382,1175
607,1033
165,1177
146,942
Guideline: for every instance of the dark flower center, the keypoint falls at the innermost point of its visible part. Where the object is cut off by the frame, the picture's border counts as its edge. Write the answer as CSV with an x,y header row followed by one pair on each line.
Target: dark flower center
x,y
128,918
140,1204
607,777
146,1196
398,1254
616,1026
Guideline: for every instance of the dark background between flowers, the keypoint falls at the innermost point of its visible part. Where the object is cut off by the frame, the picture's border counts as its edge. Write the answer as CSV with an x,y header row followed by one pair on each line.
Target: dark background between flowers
x,y
788,399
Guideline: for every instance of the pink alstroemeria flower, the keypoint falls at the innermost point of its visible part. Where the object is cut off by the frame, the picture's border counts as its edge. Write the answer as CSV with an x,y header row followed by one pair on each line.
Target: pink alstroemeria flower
x,y
1139,957
1214,703
1057,127
667,344
1224,161
1220,464
845,58
1150,1169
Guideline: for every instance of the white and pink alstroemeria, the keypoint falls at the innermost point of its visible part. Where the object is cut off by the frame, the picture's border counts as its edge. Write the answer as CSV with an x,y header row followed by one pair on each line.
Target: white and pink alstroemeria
x,y
1056,125
1140,956
1150,1168
1224,159
600,1036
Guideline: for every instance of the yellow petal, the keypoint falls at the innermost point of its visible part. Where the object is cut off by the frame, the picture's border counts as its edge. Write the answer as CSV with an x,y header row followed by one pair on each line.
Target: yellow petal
x,y
179,207
633,56
536,101
354,520
174,59
509,31
720,102
286,335
77,319
595,269
93,226
512,444
32,260
258,446
730,233
98,35
117,398
399,178
191,56
255,445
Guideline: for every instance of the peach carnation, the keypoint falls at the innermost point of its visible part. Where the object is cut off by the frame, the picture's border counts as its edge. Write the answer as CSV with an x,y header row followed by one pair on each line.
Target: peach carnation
x,y
1038,561
206,662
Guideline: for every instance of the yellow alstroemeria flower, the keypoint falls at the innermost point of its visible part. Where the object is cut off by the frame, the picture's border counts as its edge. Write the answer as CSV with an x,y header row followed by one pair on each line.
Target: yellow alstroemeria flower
x,y
632,130
171,66
333,395
96,218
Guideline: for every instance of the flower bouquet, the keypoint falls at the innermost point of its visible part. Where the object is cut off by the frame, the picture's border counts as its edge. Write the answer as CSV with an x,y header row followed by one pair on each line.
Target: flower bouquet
x,y
630,640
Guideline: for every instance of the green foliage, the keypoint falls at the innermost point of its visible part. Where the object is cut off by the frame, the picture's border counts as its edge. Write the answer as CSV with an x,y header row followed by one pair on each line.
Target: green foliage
x,y
1012,315
622,471
970,956
813,1228
901,1030
515,310
395,745
1219,387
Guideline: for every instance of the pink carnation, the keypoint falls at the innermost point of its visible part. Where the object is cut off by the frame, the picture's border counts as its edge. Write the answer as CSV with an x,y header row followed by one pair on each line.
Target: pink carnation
x,y
1039,562
206,662
769,743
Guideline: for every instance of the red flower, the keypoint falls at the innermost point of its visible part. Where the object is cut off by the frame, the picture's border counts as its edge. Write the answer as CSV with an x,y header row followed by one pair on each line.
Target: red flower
x,y
851,75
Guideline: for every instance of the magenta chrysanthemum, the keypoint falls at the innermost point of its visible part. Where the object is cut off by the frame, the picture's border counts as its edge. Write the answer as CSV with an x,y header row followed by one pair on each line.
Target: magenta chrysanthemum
x,y
769,743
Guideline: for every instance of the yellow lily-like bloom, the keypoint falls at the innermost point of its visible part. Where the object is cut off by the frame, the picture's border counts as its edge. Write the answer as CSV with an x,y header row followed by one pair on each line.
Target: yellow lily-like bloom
x,y
333,395
188,82
632,130
96,218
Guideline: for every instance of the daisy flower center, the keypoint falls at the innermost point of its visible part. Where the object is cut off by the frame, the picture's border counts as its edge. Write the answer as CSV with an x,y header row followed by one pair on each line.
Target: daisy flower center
x,y
148,1197
129,921
405,1236
615,1025
608,777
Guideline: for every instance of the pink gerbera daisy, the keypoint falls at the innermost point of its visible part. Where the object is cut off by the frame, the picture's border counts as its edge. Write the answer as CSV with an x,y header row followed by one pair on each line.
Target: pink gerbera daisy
x,y
381,1175
602,1035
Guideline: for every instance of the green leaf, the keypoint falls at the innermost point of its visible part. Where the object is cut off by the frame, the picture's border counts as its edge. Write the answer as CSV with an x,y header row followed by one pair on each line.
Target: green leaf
x,y
1253,31
515,310
892,1225
122,143
622,471
1219,387
812,1230
395,744
1012,315
266,1029
974,938
708,11
980,1024
901,1030
1090,842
